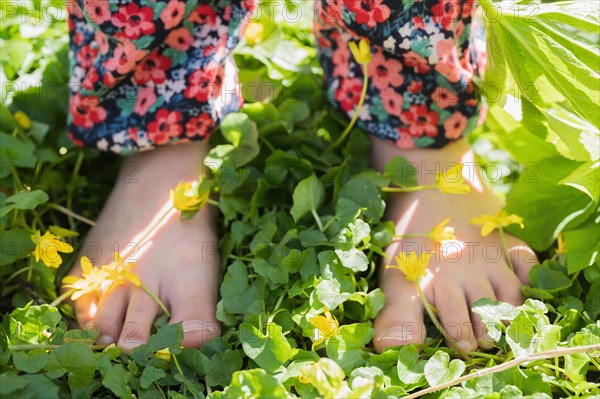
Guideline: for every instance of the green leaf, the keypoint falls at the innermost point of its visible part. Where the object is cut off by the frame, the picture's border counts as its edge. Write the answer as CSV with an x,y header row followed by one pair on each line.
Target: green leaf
x,y
11,382
151,374
493,314
116,379
583,244
254,383
269,350
586,179
439,369
401,172
77,360
411,370
168,336
346,348
329,293
222,367
353,259
15,153
308,196
31,324
15,244
25,200
38,386
550,276
31,361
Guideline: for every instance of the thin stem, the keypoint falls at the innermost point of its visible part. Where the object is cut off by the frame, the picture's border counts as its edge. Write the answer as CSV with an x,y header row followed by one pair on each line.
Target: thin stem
x,y
363,95
13,170
485,355
212,202
329,222
317,219
26,347
62,297
70,213
157,299
178,367
438,325
505,366
406,189
505,246
400,236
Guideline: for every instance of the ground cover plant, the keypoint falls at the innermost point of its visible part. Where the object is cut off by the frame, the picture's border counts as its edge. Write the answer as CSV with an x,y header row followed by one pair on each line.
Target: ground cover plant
x,y
301,230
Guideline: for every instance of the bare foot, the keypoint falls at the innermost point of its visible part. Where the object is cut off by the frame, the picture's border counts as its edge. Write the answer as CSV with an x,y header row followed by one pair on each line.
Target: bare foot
x,y
179,263
458,274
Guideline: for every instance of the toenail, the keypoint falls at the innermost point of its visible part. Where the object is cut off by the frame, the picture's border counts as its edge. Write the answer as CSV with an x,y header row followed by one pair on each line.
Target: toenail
x,y
130,344
397,334
105,340
197,325
465,346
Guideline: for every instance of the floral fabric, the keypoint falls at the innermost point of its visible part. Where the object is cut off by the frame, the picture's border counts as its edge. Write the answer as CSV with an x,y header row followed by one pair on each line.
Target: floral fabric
x,y
148,73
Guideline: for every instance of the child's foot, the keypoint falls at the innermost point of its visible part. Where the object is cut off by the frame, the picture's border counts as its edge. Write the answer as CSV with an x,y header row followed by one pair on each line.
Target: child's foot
x,y
457,276
179,263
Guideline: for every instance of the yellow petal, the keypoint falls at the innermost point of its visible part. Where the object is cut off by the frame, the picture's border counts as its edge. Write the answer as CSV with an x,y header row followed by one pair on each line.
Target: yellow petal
x,y
86,265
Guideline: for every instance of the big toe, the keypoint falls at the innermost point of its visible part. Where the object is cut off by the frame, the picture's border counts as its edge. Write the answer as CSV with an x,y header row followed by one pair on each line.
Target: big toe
x,y
195,307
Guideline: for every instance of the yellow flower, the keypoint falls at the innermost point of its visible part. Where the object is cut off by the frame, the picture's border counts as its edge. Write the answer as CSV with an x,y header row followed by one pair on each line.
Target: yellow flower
x,y
362,52
119,272
91,279
255,33
47,248
452,182
164,354
23,120
442,233
562,246
189,196
491,222
413,267
325,327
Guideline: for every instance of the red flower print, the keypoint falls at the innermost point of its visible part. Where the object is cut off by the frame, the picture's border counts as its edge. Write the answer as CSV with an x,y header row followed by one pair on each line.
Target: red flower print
x,y
340,59
348,94
78,39
101,41
446,13
368,12
86,111
385,72
108,79
86,56
455,125
204,15
75,141
420,120
415,86
97,11
165,126
405,140
203,84
136,21
180,39
132,133
91,77
330,11
449,67
152,69
198,126
125,57
145,99
392,101
414,60
172,14
444,97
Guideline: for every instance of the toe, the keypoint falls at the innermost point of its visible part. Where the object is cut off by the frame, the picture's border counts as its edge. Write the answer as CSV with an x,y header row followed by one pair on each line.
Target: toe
x,y
523,258
507,285
85,310
453,310
196,310
110,315
480,288
141,312
400,322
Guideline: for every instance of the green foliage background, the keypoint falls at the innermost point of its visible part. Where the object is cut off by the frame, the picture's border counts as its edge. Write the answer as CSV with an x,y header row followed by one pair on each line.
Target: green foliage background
x,y
279,266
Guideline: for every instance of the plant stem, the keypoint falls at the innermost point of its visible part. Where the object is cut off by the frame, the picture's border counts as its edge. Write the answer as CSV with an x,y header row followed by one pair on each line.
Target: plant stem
x,y
157,299
317,219
406,189
505,366
438,325
505,246
62,297
363,95
401,236
212,202
70,213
